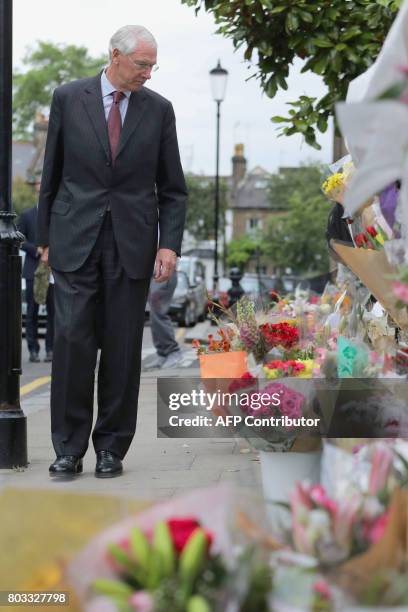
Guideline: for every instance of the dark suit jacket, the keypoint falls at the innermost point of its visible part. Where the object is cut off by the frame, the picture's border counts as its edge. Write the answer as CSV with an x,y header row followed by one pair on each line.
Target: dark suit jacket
x,y
144,189
27,225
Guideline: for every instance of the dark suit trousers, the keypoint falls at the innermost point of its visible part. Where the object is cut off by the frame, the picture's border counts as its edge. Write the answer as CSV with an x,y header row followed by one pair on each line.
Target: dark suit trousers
x,y
49,334
99,294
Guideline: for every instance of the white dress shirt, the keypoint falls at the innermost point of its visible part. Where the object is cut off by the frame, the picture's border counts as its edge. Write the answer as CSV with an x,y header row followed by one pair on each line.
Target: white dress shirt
x,y
107,97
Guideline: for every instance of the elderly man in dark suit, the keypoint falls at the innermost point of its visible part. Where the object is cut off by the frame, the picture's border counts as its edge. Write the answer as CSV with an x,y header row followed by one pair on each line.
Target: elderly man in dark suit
x,y
27,224
112,178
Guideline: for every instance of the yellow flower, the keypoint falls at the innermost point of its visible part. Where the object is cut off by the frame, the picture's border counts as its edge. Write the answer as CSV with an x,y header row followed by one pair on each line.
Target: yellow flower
x,y
310,365
45,578
271,374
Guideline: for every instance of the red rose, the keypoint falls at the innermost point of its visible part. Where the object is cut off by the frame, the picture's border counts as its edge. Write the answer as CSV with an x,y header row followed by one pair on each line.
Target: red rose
x,y
360,240
371,230
181,530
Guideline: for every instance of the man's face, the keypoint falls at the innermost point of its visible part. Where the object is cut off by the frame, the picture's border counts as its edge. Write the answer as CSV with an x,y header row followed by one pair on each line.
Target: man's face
x,y
128,73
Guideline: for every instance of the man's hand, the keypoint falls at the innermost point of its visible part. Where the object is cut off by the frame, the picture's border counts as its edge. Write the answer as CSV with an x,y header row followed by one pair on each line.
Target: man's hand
x,y
165,265
43,251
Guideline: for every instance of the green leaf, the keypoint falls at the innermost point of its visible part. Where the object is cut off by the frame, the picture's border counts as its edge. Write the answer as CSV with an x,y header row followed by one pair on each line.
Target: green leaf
x,y
351,33
292,22
140,547
272,88
322,123
282,81
192,558
323,43
120,556
278,119
113,588
320,66
305,16
278,9
197,603
164,547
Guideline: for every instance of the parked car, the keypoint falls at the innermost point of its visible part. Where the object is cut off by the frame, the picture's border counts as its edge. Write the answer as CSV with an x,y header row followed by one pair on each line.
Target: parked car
x,y
184,308
257,288
260,287
221,296
194,268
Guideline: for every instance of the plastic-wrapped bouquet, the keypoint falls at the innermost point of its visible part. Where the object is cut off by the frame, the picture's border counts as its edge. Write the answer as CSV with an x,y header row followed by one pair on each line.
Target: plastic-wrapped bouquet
x,y
334,528
275,413
335,184
167,559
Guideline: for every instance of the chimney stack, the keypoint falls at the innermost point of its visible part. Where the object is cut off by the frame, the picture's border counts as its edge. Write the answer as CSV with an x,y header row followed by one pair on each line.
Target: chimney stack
x,y
238,164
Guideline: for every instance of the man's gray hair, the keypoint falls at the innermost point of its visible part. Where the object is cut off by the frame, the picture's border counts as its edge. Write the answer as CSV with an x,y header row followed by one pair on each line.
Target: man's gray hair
x,y
126,39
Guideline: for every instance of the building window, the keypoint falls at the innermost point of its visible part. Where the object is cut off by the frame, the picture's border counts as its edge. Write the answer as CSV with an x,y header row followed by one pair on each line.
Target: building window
x,y
254,224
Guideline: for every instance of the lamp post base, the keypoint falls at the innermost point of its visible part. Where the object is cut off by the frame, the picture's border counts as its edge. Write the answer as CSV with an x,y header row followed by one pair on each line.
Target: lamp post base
x,y
13,439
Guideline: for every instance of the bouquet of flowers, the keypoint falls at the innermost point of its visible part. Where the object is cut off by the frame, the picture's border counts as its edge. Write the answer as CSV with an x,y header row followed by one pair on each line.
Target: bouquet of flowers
x,y
372,237
159,561
335,184
335,528
274,414
284,335
298,368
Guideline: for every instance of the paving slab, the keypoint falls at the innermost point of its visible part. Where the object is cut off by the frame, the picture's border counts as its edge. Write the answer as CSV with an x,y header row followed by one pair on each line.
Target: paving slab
x,y
155,468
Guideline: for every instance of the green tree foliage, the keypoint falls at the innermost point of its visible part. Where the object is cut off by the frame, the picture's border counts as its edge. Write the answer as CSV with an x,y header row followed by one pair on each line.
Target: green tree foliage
x,y
23,195
241,250
201,206
305,179
337,40
296,239
46,67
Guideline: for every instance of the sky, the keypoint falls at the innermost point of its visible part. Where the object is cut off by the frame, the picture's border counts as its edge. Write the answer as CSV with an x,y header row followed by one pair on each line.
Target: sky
x,y
188,50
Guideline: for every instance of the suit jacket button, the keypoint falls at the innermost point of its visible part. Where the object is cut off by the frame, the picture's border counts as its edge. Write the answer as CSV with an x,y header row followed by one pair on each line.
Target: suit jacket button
x,y
108,163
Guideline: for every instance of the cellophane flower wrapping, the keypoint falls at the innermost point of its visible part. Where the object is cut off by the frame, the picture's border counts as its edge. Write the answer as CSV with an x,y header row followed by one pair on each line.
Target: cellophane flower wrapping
x,y
215,508
261,399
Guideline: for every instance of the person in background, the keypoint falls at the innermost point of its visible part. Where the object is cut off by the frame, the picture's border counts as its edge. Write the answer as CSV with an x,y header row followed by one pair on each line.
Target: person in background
x,y
168,351
27,225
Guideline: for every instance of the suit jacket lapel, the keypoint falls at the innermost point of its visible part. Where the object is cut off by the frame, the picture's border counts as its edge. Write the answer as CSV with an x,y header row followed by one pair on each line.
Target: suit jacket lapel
x,y
134,113
92,100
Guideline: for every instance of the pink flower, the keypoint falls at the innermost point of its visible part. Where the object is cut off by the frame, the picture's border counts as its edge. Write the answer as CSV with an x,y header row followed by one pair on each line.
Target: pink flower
x,y
319,496
380,469
374,531
301,497
322,588
400,291
142,602
403,69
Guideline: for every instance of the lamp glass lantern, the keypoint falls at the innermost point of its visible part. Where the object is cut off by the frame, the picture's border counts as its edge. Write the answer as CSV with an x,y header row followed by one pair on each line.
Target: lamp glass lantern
x,y
218,79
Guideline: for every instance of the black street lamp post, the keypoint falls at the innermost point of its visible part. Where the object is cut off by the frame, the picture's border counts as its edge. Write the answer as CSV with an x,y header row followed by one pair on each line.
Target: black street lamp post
x,y
218,78
13,428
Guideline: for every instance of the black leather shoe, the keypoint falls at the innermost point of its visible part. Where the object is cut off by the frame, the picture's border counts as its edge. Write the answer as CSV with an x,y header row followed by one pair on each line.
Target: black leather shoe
x,y
108,465
66,465
48,356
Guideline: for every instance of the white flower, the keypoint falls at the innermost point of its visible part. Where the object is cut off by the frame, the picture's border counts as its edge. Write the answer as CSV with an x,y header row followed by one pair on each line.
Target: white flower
x,y
319,525
372,507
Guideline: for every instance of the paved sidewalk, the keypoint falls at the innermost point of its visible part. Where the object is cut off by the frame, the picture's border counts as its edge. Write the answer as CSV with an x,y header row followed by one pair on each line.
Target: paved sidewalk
x,y
155,468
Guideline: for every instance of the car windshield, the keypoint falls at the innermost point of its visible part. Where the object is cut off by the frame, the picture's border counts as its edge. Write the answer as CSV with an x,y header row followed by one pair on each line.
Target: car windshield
x,y
184,265
249,284
269,282
182,282
224,284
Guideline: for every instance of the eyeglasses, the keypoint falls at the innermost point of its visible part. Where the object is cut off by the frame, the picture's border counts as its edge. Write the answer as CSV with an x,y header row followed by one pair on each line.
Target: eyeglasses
x,y
142,66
